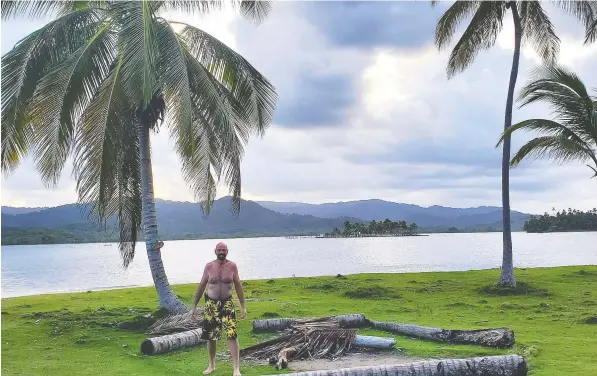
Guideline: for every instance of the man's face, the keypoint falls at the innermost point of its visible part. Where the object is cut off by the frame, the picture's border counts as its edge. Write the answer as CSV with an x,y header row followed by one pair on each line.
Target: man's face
x,y
221,252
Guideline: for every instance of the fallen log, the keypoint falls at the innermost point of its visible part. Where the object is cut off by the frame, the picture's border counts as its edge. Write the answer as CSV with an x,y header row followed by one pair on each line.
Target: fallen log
x,y
279,324
272,325
494,337
171,342
374,342
503,365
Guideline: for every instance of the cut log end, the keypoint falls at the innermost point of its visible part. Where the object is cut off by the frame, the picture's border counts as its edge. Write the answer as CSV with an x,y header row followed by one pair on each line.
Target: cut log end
x,y
357,320
374,342
147,347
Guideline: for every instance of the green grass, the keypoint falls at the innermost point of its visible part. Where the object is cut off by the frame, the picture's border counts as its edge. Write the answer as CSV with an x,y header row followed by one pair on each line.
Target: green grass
x,y
553,314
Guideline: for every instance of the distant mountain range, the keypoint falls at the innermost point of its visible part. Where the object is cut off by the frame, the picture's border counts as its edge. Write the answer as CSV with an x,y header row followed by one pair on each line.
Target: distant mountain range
x,y
432,217
185,220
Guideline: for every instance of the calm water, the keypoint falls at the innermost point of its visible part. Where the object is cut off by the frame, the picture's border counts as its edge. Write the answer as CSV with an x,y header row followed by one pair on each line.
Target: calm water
x,y
36,269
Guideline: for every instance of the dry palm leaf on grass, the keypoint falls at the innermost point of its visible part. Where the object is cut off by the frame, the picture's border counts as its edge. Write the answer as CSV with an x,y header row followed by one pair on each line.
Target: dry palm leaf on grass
x,y
176,323
306,341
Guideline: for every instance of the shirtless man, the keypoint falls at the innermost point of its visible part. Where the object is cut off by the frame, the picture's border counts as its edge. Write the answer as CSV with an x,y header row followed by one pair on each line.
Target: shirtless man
x,y
219,316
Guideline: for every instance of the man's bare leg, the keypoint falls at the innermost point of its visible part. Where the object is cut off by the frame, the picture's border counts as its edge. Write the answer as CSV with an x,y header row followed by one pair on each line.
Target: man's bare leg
x,y
234,353
211,347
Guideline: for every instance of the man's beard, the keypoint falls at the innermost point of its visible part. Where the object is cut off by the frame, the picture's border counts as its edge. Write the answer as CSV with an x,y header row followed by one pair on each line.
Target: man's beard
x,y
221,257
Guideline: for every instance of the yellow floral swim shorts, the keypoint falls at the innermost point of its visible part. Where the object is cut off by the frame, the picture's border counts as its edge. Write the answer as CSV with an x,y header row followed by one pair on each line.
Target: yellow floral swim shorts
x,y
219,316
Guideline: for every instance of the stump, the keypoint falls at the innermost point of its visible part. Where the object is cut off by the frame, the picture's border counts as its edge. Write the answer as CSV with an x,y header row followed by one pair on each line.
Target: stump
x,y
494,337
503,365
283,355
171,342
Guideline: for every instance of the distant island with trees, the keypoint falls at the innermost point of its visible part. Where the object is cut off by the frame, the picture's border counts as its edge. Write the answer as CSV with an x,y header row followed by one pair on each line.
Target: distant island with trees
x,y
562,221
374,228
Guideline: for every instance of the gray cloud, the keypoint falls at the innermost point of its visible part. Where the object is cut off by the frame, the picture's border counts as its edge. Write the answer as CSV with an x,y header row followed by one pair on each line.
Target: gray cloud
x,y
316,100
428,152
366,24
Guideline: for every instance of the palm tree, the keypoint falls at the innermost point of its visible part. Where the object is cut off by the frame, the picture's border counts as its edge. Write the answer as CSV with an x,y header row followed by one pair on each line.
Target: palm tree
x,y
591,33
572,136
95,81
531,25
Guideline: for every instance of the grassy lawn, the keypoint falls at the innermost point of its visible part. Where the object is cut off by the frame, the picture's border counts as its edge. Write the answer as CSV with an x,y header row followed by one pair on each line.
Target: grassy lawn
x,y
94,333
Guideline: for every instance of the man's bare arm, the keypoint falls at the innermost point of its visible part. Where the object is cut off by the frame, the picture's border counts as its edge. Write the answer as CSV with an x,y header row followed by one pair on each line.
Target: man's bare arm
x,y
239,288
200,289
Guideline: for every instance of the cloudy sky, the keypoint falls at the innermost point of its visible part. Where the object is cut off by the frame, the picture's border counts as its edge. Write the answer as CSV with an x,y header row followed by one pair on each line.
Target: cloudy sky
x,y
365,111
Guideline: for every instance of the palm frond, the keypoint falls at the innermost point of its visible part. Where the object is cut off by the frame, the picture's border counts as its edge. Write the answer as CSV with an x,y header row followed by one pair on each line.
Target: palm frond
x,y
584,11
232,100
254,92
255,10
538,30
60,98
573,136
137,22
549,127
34,9
591,33
565,93
214,122
130,218
558,148
106,163
172,67
480,35
449,21
75,5
26,64
193,6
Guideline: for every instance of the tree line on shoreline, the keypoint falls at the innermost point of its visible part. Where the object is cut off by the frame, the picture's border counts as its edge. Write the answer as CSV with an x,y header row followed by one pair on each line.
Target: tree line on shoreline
x,y
386,227
561,221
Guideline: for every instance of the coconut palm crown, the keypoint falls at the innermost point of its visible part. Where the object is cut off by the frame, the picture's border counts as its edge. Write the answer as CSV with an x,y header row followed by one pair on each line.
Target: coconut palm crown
x,y
93,83
572,135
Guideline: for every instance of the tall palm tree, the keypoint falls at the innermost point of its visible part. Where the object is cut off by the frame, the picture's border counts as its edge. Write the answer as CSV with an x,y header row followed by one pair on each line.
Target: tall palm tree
x,y
572,136
95,81
532,26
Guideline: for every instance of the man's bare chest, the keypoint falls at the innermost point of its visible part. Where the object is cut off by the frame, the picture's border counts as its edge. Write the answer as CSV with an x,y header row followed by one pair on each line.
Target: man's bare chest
x,y
220,276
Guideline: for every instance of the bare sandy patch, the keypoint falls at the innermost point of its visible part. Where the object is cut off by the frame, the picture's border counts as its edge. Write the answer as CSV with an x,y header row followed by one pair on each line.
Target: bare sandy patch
x,y
351,359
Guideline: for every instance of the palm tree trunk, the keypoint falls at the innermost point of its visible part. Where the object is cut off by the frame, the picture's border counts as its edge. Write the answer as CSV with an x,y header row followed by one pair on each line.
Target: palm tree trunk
x,y
167,298
507,276
499,365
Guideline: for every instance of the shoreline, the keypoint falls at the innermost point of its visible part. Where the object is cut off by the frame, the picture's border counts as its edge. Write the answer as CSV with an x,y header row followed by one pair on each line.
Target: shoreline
x,y
232,236
260,280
